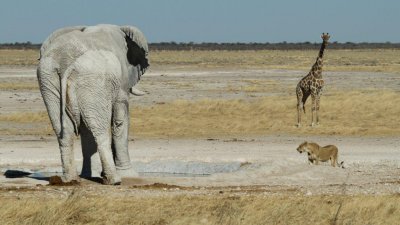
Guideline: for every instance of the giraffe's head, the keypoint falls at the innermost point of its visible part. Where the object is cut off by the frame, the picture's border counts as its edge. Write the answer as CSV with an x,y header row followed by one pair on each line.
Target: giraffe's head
x,y
325,37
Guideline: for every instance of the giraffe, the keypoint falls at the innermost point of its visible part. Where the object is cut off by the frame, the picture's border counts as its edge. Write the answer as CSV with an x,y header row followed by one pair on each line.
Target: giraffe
x,y
312,84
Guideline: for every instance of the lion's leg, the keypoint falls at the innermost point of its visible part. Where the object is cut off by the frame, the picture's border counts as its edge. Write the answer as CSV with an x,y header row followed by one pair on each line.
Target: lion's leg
x,y
310,161
332,161
335,160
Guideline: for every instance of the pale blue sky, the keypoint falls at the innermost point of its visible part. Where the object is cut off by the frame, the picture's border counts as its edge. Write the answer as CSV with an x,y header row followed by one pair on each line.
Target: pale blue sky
x,y
209,20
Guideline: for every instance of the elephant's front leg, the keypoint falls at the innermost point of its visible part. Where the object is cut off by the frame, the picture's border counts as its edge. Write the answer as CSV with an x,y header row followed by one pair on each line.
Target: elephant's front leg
x,y
120,134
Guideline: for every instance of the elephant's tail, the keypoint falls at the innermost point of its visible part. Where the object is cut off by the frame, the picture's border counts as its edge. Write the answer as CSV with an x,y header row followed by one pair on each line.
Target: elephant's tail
x,y
63,99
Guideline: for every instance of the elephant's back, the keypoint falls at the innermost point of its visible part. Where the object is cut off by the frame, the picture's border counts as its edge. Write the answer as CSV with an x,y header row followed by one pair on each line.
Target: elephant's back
x,y
65,49
97,70
98,62
96,84
107,38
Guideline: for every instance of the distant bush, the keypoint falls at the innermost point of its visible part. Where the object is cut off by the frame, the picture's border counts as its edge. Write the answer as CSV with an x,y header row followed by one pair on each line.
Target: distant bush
x,y
20,45
184,46
268,46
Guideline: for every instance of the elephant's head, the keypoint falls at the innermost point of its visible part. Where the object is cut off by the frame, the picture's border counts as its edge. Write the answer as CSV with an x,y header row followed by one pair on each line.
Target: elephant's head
x,y
137,48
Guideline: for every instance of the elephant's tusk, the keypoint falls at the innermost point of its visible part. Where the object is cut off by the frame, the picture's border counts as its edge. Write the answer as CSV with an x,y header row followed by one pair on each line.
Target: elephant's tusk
x,y
136,92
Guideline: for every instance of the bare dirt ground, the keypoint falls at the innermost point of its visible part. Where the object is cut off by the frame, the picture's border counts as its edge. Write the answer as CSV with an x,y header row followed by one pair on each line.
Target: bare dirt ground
x,y
205,166
372,162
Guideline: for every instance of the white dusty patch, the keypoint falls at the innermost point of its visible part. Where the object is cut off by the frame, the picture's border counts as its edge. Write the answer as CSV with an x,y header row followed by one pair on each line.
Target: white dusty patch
x,y
255,161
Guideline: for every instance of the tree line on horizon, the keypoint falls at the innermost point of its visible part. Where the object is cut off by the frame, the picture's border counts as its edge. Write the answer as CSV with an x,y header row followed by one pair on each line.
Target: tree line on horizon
x,y
187,46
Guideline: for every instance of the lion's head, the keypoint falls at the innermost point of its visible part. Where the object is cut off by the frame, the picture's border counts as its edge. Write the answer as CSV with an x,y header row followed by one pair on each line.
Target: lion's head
x,y
302,147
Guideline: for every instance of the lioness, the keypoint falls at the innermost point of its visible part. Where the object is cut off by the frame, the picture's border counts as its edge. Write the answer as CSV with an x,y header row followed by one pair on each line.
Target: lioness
x,y
317,153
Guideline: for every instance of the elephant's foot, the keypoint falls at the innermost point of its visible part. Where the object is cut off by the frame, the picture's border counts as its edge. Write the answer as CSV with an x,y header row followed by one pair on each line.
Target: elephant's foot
x,y
112,180
136,91
70,175
129,172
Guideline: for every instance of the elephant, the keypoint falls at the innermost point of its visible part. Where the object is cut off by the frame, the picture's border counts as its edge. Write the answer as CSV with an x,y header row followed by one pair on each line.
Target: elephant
x,y
85,75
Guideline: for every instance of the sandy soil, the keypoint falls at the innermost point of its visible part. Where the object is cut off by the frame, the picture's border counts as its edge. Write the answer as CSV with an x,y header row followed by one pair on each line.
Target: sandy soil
x,y
168,84
372,164
267,164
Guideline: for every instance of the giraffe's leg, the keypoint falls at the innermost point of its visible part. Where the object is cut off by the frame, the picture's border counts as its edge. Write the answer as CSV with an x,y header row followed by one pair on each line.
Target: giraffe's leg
x,y
299,108
313,109
300,105
317,109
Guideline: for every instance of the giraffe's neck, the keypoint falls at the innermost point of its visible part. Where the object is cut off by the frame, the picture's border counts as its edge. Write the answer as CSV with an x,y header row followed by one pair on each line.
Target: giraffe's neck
x,y
322,49
316,69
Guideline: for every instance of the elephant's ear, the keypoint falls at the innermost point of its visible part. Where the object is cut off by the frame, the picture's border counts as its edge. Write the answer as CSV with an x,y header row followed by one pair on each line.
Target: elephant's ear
x,y
137,47
56,34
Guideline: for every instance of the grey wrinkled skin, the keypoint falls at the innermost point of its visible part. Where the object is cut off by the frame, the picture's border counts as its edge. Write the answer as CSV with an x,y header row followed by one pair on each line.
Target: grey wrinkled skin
x,y
85,76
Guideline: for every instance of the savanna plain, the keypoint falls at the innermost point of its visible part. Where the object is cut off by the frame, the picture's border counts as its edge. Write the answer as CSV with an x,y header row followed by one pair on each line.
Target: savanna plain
x,y
214,141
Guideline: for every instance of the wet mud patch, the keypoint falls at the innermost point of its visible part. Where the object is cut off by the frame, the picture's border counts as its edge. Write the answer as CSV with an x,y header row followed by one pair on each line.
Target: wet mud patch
x,y
177,168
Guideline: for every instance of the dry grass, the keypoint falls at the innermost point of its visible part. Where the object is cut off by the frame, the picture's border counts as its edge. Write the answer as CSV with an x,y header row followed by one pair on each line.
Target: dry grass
x,y
201,209
257,86
348,114
25,117
353,113
19,86
19,57
336,60
25,123
31,129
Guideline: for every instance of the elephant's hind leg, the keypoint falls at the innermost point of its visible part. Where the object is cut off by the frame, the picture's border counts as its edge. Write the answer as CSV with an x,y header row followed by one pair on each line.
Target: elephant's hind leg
x,y
102,137
95,107
65,137
49,87
66,143
91,165
98,125
106,158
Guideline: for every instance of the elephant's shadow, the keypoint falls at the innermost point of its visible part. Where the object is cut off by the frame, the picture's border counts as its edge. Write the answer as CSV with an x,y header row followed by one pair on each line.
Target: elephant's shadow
x,y
44,176
12,174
